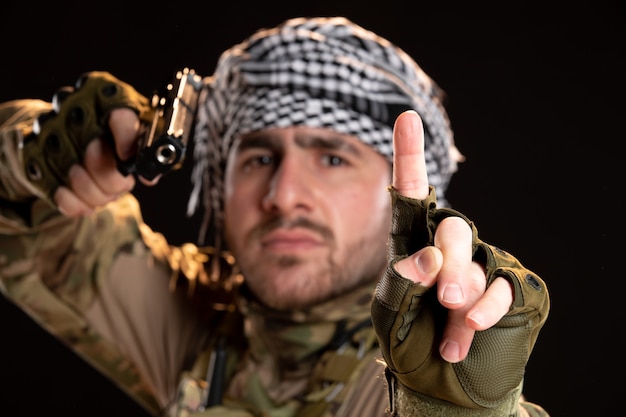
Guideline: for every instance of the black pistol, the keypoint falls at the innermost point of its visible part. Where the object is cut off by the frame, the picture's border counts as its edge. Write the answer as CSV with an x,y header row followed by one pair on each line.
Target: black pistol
x,y
163,148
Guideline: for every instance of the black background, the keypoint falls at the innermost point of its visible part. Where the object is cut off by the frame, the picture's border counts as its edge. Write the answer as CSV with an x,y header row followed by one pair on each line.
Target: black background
x,y
536,99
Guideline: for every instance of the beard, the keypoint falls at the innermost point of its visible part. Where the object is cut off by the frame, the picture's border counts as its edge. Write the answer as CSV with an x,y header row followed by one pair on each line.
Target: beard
x,y
300,281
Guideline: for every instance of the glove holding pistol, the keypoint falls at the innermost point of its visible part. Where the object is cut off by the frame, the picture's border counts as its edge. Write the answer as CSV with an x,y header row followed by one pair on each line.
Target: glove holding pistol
x,y
58,139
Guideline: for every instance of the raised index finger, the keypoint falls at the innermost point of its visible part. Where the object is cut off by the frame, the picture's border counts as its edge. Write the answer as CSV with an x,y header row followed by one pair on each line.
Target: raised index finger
x,y
410,177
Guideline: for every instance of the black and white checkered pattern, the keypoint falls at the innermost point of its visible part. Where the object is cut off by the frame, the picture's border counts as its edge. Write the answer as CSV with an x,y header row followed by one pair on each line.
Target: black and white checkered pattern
x,y
316,72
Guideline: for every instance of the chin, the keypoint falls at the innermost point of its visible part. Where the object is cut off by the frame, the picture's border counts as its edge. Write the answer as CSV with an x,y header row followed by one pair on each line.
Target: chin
x,y
289,297
288,301
291,287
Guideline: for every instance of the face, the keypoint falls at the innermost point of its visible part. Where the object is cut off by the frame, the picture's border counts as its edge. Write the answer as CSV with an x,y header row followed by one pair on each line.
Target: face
x,y
307,214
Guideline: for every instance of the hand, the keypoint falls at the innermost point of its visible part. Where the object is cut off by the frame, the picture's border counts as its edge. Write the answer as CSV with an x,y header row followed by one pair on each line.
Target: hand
x,y
98,181
461,283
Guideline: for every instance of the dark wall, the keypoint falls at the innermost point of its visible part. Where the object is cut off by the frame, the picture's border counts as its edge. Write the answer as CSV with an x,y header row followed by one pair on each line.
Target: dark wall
x,y
536,98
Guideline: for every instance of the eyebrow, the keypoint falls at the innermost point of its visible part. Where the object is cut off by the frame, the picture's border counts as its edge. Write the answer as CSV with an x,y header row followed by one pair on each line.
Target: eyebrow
x,y
331,143
303,141
258,141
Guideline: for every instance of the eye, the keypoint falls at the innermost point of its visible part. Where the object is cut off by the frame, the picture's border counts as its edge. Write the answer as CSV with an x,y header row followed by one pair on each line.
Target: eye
x,y
253,160
261,160
332,160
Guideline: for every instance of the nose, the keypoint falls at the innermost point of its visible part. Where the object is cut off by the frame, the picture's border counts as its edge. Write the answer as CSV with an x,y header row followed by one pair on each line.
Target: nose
x,y
291,186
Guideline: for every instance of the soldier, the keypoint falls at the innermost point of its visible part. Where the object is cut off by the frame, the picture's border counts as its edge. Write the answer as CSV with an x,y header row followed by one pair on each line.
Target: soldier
x,y
308,293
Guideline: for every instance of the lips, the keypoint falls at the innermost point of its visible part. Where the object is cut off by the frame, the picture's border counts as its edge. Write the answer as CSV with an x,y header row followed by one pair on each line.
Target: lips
x,y
290,240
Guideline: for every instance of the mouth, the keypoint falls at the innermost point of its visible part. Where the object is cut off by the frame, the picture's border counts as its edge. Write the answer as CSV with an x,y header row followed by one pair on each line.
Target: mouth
x,y
291,240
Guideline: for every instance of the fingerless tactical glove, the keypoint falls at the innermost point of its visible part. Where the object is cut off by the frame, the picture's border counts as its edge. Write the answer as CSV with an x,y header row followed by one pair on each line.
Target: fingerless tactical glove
x,y
59,138
409,320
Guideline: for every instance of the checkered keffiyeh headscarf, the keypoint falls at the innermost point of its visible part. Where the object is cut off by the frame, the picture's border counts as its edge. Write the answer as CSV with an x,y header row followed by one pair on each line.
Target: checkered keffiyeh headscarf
x,y
315,72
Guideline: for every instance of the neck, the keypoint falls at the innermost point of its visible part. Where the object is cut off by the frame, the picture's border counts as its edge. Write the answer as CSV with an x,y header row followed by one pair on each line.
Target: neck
x,y
285,346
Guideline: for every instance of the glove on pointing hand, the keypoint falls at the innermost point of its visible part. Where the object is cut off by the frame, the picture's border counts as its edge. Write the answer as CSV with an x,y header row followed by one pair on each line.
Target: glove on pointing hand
x,y
409,320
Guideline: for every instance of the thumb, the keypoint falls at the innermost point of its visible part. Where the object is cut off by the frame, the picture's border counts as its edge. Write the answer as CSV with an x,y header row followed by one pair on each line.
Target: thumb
x,y
125,127
421,267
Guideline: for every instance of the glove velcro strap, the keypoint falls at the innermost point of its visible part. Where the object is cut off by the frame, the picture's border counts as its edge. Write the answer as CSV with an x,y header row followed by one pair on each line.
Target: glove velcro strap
x,y
59,138
410,403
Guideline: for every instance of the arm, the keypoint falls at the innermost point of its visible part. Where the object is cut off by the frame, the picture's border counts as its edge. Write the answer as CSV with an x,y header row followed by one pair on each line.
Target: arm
x,y
34,167
456,318
52,265
73,273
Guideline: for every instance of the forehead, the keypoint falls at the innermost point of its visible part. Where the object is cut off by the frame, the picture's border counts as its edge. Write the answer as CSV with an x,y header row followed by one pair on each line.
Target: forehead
x,y
303,137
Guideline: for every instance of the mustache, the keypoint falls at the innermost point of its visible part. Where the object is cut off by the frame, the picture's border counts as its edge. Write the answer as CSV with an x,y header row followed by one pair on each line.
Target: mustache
x,y
284,223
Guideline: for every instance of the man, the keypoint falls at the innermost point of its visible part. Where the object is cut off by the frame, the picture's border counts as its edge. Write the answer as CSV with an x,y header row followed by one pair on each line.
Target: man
x,y
300,131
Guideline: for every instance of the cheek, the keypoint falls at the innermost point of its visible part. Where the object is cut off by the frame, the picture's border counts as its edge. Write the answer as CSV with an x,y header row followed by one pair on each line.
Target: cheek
x,y
361,210
237,206
374,196
377,205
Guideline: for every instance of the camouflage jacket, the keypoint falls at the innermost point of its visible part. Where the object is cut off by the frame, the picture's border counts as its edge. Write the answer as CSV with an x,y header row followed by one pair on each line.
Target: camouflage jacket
x,y
118,294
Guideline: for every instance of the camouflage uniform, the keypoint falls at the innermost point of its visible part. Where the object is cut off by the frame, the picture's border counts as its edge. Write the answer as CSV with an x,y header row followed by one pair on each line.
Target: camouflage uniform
x,y
72,275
